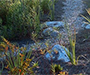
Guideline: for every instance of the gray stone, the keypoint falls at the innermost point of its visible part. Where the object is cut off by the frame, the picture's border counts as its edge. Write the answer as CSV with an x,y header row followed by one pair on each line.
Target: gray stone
x,y
83,25
53,24
61,55
87,27
50,32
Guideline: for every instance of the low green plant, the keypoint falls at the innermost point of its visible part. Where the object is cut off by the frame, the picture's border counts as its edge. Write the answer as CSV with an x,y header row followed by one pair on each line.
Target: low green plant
x,y
1,62
17,59
56,68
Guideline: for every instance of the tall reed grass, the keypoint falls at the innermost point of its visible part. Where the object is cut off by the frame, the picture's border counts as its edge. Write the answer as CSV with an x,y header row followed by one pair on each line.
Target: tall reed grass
x,y
72,40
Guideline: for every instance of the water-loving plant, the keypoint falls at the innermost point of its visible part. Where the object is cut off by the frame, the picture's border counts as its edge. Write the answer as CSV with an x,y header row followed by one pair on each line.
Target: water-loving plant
x,y
17,59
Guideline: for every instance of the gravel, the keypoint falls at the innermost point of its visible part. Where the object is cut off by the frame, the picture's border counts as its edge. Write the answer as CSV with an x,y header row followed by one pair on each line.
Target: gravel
x,y
72,11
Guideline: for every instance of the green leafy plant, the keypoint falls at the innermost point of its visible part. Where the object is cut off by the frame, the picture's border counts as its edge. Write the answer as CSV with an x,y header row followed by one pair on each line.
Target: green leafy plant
x,y
17,59
22,17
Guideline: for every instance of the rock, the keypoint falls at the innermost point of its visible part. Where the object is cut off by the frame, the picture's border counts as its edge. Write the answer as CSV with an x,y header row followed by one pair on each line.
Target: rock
x,y
83,25
50,32
87,27
2,57
52,28
53,24
57,53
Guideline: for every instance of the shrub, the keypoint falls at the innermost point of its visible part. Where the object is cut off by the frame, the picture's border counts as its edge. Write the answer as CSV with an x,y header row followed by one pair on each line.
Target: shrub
x,y
47,7
0,22
21,18
4,5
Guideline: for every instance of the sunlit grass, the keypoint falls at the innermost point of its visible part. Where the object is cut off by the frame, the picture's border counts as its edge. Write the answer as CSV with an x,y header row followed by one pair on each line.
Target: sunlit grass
x,y
17,61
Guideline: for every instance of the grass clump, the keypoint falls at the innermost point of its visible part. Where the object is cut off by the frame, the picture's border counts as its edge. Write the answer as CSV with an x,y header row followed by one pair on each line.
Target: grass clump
x,y
56,68
87,18
17,60
72,41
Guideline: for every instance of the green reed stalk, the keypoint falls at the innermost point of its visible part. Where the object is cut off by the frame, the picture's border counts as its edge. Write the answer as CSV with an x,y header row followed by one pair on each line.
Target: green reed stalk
x,y
72,41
